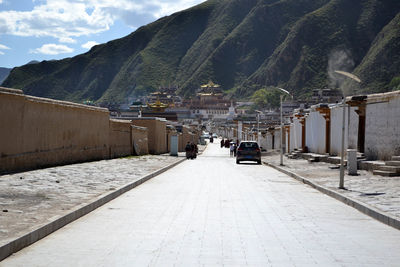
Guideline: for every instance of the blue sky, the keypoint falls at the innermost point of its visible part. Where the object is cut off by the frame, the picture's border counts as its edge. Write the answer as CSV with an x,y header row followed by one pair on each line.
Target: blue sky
x,y
56,29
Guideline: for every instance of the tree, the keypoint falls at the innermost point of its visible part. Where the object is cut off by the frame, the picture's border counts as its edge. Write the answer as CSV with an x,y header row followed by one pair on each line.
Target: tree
x,y
267,97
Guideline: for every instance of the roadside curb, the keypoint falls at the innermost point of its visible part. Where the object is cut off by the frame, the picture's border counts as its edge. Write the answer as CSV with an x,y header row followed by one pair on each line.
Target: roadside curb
x,y
362,207
60,221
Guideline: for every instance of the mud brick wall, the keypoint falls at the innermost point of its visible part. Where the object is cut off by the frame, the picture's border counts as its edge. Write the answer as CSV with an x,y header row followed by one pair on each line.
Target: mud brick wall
x,y
140,140
120,138
37,132
156,133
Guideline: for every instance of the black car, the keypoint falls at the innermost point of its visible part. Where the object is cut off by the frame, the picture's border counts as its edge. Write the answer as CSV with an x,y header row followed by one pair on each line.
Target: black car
x,y
248,151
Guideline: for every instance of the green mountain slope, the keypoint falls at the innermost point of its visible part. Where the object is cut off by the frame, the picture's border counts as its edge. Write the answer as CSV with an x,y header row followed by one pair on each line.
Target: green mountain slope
x,y
4,73
382,62
244,45
339,33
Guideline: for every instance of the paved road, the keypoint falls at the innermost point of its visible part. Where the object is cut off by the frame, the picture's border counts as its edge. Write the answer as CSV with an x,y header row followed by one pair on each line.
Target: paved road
x,y
212,212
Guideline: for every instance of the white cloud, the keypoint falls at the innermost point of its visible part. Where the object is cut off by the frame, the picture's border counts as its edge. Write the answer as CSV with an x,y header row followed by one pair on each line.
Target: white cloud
x,y
169,7
67,40
68,19
4,47
89,44
61,19
52,49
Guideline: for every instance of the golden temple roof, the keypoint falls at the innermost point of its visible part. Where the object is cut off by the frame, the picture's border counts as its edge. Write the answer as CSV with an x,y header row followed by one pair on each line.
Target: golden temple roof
x,y
210,84
158,105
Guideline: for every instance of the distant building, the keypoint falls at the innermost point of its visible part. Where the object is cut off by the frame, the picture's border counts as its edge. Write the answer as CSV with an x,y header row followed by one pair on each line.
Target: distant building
x,y
166,95
289,106
209,103
158,109
327,96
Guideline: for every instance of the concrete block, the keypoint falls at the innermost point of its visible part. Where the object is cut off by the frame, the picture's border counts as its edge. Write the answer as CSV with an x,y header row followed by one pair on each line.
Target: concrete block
x,y
392,163
385,173
396,158
352,161
389,168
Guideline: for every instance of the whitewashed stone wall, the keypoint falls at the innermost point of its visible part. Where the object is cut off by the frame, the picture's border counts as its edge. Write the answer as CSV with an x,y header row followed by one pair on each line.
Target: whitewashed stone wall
x,y
263,141
351,136
352,124
286,136
315,132
269,140
295,135
382,126
291,146
277,139
240,131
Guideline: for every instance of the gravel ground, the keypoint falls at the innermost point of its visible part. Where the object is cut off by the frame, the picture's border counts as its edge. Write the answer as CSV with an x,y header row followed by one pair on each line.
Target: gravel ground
x,y
34,198
377,191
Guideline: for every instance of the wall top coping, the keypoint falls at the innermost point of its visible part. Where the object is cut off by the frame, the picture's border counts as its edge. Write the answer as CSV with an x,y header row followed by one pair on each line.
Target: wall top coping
x,y
11,90
121,121
51,101
320,105
383,96
378,97
64,103
149,119
139,128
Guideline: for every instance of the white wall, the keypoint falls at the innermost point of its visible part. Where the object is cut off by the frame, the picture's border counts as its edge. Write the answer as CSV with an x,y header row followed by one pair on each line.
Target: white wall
x,y
277,139
240,130
295,134
315,132
352,136
286,135
382,127
336,129
263,141
269,140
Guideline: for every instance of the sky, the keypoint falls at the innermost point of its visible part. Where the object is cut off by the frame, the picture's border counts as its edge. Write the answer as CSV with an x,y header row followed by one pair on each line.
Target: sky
x,y
55,29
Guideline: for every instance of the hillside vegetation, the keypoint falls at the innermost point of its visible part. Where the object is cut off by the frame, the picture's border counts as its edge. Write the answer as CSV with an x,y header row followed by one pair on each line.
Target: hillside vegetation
x,y
4,73
244,45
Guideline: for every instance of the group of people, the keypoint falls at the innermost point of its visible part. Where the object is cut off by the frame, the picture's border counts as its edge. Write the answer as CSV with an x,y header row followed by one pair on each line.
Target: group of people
x,y
191,150
228,143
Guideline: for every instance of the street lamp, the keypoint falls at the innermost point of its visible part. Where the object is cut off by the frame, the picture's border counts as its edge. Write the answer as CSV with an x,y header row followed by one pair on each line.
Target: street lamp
x,y
281,97
354,78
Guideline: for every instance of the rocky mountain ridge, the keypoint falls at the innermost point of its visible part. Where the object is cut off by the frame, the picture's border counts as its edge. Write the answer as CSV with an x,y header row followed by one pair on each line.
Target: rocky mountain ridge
x,y
244,45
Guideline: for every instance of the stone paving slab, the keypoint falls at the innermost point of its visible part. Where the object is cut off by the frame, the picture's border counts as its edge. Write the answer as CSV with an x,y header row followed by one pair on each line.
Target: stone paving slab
x,y
213,212
381,193
31,199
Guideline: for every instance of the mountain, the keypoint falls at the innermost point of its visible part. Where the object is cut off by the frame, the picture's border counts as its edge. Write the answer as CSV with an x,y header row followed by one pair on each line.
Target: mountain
x,y
32,62
4,73
244,45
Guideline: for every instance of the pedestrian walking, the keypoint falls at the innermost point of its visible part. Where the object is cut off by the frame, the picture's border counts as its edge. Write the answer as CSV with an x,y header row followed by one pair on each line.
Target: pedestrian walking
x,y
188,150
222,143
193,148
227,143
231,149
196,150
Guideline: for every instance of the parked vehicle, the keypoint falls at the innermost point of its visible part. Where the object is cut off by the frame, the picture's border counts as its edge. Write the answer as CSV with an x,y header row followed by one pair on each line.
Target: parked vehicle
x,y
248,151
